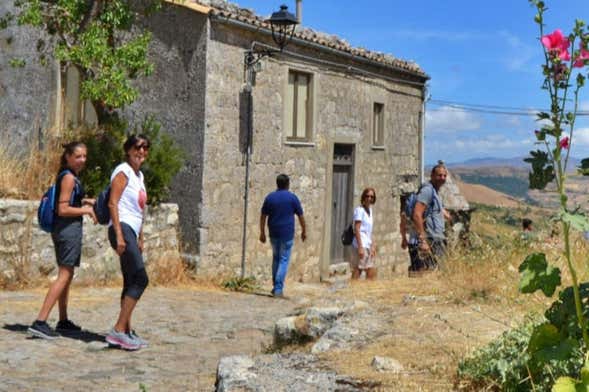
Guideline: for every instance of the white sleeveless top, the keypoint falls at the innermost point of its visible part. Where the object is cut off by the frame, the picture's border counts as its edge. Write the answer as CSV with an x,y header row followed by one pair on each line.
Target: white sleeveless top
x,y
133,199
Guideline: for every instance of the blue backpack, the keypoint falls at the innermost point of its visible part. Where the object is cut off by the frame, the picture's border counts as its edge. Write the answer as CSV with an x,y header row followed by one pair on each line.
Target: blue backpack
x,y
101,207
47,207
412,200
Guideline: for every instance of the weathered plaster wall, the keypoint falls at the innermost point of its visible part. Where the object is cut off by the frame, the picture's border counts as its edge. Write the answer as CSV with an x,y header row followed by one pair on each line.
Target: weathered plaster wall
x,y
343,113
175,95
26,93
25,248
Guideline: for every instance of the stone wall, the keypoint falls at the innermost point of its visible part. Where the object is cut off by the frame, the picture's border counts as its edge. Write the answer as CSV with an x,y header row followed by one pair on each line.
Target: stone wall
x,y
175,95
27,94
343,114
25,249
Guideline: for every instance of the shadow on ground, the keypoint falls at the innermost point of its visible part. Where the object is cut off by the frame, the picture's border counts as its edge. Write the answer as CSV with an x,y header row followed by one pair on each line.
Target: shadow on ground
x,y
84,336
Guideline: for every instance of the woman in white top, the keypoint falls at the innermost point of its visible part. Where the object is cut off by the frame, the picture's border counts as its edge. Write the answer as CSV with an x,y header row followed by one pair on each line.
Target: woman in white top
x,y
128,198
363,257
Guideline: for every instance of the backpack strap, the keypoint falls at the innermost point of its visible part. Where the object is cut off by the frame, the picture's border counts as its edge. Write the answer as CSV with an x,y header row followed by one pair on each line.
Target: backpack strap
x,y
75,191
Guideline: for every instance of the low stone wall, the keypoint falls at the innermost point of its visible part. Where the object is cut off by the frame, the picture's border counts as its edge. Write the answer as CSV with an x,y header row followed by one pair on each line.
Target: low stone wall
x,y
27,252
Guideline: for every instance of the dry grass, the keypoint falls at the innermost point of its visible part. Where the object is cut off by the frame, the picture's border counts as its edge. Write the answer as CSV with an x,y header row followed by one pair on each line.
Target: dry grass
x,y
476,298
29,175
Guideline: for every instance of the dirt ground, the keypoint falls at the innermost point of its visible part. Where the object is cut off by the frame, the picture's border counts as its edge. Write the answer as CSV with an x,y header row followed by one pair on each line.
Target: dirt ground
x,y
189,328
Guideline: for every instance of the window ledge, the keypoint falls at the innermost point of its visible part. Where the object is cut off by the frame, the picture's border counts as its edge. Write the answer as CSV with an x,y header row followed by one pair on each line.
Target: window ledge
x,y
379,148
298,144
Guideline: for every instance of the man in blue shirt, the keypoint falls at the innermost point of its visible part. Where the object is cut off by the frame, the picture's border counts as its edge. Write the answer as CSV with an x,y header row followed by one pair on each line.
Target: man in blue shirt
x,y
279,209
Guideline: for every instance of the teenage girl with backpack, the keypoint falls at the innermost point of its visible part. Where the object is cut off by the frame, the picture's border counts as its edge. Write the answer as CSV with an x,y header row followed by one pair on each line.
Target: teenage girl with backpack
x,y
67,240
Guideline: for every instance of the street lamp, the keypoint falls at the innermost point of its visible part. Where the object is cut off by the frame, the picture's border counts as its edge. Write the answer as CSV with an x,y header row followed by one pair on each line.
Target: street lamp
x,y
282,24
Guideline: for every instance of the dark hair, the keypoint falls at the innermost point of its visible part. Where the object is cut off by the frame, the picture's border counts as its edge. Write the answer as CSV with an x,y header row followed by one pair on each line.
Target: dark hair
x,y
526,223
68,149
365,192
282,181
439,165
132,141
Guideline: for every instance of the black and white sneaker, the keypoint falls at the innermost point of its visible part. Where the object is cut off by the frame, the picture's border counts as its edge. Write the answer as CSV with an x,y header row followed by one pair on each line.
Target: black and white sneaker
x,y
67,326
41,329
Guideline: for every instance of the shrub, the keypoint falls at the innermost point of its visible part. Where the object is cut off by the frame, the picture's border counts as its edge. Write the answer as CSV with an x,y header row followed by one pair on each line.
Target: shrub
x,y
506,365
105,152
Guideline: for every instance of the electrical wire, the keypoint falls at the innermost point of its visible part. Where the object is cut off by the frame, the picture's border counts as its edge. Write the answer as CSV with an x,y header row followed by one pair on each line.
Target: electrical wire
x,y
491,109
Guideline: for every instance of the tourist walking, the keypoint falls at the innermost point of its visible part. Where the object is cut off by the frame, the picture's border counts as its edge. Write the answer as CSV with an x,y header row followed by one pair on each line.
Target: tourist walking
x,y
279,209
363,258
67,240
428,221
128,198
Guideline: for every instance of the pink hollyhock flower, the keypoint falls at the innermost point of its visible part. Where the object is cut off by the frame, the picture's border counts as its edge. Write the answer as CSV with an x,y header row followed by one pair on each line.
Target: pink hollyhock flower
x,y
580,60
564,142
558,44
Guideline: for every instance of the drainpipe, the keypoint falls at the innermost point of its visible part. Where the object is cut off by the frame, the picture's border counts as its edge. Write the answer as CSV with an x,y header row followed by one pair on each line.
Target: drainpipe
x,y
424,99
300,12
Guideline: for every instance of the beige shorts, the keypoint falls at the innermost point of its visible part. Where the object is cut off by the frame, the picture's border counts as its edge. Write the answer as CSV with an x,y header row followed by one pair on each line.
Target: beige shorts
x,y
365,263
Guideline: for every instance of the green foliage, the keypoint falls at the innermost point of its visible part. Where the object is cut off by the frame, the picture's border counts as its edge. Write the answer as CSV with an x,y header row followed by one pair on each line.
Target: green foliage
x,y
576,220
537,274
562,313
568,384
105,152
542,169
508,364
165,160
97,37
247,284
546,344
17,63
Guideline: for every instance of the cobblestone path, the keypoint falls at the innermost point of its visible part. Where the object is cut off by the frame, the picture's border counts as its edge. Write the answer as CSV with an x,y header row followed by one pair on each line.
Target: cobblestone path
x,y
188,331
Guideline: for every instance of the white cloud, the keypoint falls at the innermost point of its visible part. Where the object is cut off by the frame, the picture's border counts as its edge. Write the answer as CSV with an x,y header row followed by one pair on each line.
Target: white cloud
x,y
584,106
581,137
449,119
520,53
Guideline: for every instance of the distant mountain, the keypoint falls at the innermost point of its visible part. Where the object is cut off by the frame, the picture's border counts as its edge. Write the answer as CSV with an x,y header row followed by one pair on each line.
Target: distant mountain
x,y
490,161
517,162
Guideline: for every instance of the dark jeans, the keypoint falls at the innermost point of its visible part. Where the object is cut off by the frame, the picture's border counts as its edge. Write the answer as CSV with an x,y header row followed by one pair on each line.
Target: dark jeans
x,y
421,261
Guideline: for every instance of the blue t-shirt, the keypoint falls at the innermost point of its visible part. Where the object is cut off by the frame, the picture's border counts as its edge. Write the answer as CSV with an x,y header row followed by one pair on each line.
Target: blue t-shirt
x,y
280,207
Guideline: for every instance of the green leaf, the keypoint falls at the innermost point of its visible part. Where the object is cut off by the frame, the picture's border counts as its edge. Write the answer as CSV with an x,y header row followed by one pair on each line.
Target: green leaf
x,y
562,312
577,220
568,384
546,344
536,274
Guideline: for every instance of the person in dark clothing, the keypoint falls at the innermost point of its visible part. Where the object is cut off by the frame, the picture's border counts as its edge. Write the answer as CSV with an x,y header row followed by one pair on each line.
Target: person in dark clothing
x,y
278,210
67,240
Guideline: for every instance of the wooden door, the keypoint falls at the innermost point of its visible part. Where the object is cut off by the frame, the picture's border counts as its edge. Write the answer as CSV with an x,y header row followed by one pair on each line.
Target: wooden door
x,y
341,191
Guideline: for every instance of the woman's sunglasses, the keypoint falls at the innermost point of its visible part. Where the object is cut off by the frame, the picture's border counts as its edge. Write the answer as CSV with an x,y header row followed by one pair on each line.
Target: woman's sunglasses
x,y
143,146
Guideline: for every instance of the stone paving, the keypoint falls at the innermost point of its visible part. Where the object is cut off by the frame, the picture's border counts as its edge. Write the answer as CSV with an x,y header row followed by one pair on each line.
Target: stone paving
x,y
188,330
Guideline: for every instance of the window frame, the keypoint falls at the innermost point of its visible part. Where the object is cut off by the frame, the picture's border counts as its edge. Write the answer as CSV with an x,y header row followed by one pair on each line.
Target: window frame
x,y
291,108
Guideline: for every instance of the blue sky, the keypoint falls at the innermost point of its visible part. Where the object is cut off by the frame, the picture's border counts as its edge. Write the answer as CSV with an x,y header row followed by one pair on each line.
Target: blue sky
x,y
475,51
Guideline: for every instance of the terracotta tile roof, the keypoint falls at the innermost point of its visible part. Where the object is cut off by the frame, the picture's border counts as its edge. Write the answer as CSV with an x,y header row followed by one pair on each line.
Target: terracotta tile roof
x,y
225,9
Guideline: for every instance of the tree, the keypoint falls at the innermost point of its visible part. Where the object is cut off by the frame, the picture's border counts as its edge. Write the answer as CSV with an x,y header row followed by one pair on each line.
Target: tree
x,y
99,38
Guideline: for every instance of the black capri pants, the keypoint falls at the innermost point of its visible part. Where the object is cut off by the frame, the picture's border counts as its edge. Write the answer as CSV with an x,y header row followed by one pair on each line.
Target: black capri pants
x,y
134,276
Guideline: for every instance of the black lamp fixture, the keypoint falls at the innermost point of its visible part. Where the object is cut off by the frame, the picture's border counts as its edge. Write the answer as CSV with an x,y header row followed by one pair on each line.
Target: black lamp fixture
x,y
283,25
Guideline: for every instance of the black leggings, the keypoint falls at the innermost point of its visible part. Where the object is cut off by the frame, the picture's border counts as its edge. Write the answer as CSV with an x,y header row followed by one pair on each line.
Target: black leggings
x,y
134,276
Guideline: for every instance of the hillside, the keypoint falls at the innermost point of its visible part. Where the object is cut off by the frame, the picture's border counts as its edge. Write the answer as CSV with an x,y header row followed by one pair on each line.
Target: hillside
x,y
505,185
480,194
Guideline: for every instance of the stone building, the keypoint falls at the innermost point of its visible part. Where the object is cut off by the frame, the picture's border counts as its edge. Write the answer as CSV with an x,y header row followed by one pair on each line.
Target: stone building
x,y
335,118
